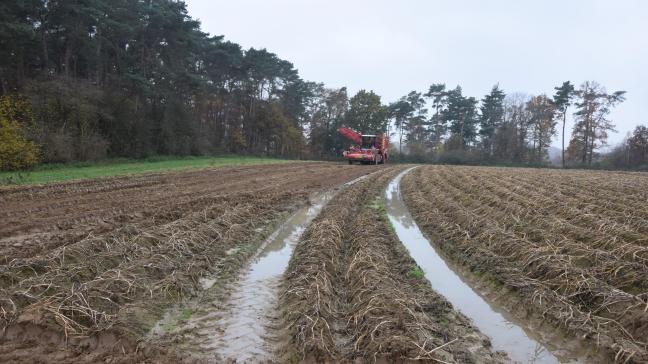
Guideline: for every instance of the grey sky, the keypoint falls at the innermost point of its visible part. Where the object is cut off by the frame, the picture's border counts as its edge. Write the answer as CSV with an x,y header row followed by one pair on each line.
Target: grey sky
x,y
393,47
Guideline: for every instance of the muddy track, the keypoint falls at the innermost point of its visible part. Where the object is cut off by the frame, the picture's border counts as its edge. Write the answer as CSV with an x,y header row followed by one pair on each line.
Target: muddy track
x,y
237,320
115,281
573,270
349,293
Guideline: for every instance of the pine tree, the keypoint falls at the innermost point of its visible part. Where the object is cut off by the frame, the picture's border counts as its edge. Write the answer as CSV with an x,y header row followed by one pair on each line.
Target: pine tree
x,y
461,115
592,124
437,93
417,125
491,118
401,111
562,100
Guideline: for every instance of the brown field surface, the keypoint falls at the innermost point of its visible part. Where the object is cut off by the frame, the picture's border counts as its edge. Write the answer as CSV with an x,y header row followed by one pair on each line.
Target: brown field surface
x,y
569,246
168,267
349,296
94,263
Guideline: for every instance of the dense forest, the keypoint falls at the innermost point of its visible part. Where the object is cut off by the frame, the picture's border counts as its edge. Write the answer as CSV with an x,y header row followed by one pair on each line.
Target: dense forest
x,y
90,79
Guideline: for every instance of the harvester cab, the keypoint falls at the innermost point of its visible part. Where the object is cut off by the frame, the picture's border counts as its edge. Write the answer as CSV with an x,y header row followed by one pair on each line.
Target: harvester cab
x,y
369,141
367,149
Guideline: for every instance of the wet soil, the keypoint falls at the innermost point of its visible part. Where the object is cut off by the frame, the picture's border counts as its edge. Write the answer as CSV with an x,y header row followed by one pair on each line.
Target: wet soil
x,y
524,341
541,247
126,248
36,219
238,321
350,294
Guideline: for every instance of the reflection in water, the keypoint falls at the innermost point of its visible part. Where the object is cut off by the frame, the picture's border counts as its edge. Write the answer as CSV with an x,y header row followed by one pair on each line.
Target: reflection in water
x,y
254,296
504,334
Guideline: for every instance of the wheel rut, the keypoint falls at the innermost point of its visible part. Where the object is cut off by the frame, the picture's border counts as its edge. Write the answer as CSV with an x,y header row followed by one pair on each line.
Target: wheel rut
x,y
523,340
239,322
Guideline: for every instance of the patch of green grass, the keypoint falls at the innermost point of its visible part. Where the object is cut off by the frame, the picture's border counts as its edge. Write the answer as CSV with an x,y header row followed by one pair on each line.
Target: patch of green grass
x,y
47,173
416,273
379,205
186,313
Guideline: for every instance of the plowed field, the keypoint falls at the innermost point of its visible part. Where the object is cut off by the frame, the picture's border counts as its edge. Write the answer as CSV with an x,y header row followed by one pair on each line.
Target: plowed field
x,y
95,263
571,246
310,262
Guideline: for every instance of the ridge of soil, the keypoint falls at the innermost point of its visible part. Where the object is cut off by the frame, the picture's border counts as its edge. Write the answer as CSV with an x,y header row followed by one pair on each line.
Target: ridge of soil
x,y
349,294
90,266
573,257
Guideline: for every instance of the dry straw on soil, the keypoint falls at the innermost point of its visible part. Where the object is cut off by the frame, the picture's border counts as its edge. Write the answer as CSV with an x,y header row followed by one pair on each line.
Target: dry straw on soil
x,y
164,232
93,285
348,296
573,245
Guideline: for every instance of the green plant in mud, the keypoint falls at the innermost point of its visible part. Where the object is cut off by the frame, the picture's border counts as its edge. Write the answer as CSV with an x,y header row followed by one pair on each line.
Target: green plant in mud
x,y
15,178
186,313
378,204
416,272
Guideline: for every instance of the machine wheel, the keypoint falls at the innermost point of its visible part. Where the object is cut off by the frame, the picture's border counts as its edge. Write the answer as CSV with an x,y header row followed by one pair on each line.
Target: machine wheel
x,y
350,161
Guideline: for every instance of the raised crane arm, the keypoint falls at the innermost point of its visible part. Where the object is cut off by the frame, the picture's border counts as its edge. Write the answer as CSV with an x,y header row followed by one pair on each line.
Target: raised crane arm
x,y
351,134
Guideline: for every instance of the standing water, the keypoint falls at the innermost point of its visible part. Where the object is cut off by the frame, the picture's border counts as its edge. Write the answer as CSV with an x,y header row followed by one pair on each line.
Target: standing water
x,y
520,345
242,326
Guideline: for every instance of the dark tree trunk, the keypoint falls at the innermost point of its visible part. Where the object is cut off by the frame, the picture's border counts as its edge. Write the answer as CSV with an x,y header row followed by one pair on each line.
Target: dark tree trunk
x,y
563,137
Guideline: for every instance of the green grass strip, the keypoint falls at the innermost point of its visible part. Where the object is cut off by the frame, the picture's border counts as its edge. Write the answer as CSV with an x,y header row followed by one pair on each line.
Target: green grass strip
x,y
48,173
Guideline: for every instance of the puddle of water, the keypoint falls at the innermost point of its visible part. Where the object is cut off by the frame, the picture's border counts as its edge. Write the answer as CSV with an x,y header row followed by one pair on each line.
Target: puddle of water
x,y
254,295
522,346
252,300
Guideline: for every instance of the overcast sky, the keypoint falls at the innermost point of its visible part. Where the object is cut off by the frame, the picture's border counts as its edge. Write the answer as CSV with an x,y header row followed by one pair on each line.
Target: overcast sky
x,y
393,47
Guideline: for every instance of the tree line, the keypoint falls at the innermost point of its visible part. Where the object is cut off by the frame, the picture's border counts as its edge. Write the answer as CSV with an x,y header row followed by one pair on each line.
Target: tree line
x,y
89,79
133,78
511,129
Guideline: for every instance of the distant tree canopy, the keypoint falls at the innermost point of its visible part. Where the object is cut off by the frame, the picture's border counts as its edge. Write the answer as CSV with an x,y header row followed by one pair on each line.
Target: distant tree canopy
x,y
366,113
132,78
510,129
633,153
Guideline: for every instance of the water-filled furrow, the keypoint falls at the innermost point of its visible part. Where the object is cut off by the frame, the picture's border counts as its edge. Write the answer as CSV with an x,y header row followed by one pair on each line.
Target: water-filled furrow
x,y
522,341
244,331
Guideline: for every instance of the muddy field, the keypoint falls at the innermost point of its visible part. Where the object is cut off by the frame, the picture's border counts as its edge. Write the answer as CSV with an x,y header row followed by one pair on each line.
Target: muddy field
x,y
572,246
96,263
349,294
324,262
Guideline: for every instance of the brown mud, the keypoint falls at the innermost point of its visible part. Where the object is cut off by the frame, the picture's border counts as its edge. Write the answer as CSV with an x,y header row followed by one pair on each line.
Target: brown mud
x,y
524,339
104,259
545,248
351,293
238,321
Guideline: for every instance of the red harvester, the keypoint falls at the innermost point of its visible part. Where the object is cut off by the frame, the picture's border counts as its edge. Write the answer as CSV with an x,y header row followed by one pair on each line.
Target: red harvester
x,y
368,149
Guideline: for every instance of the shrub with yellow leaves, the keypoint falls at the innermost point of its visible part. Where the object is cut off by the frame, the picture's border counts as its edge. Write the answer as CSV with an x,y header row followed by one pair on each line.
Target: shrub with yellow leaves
x,y
16,151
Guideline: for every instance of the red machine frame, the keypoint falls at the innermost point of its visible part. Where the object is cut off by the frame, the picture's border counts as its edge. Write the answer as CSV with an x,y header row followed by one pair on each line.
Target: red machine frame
x,y
368,149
